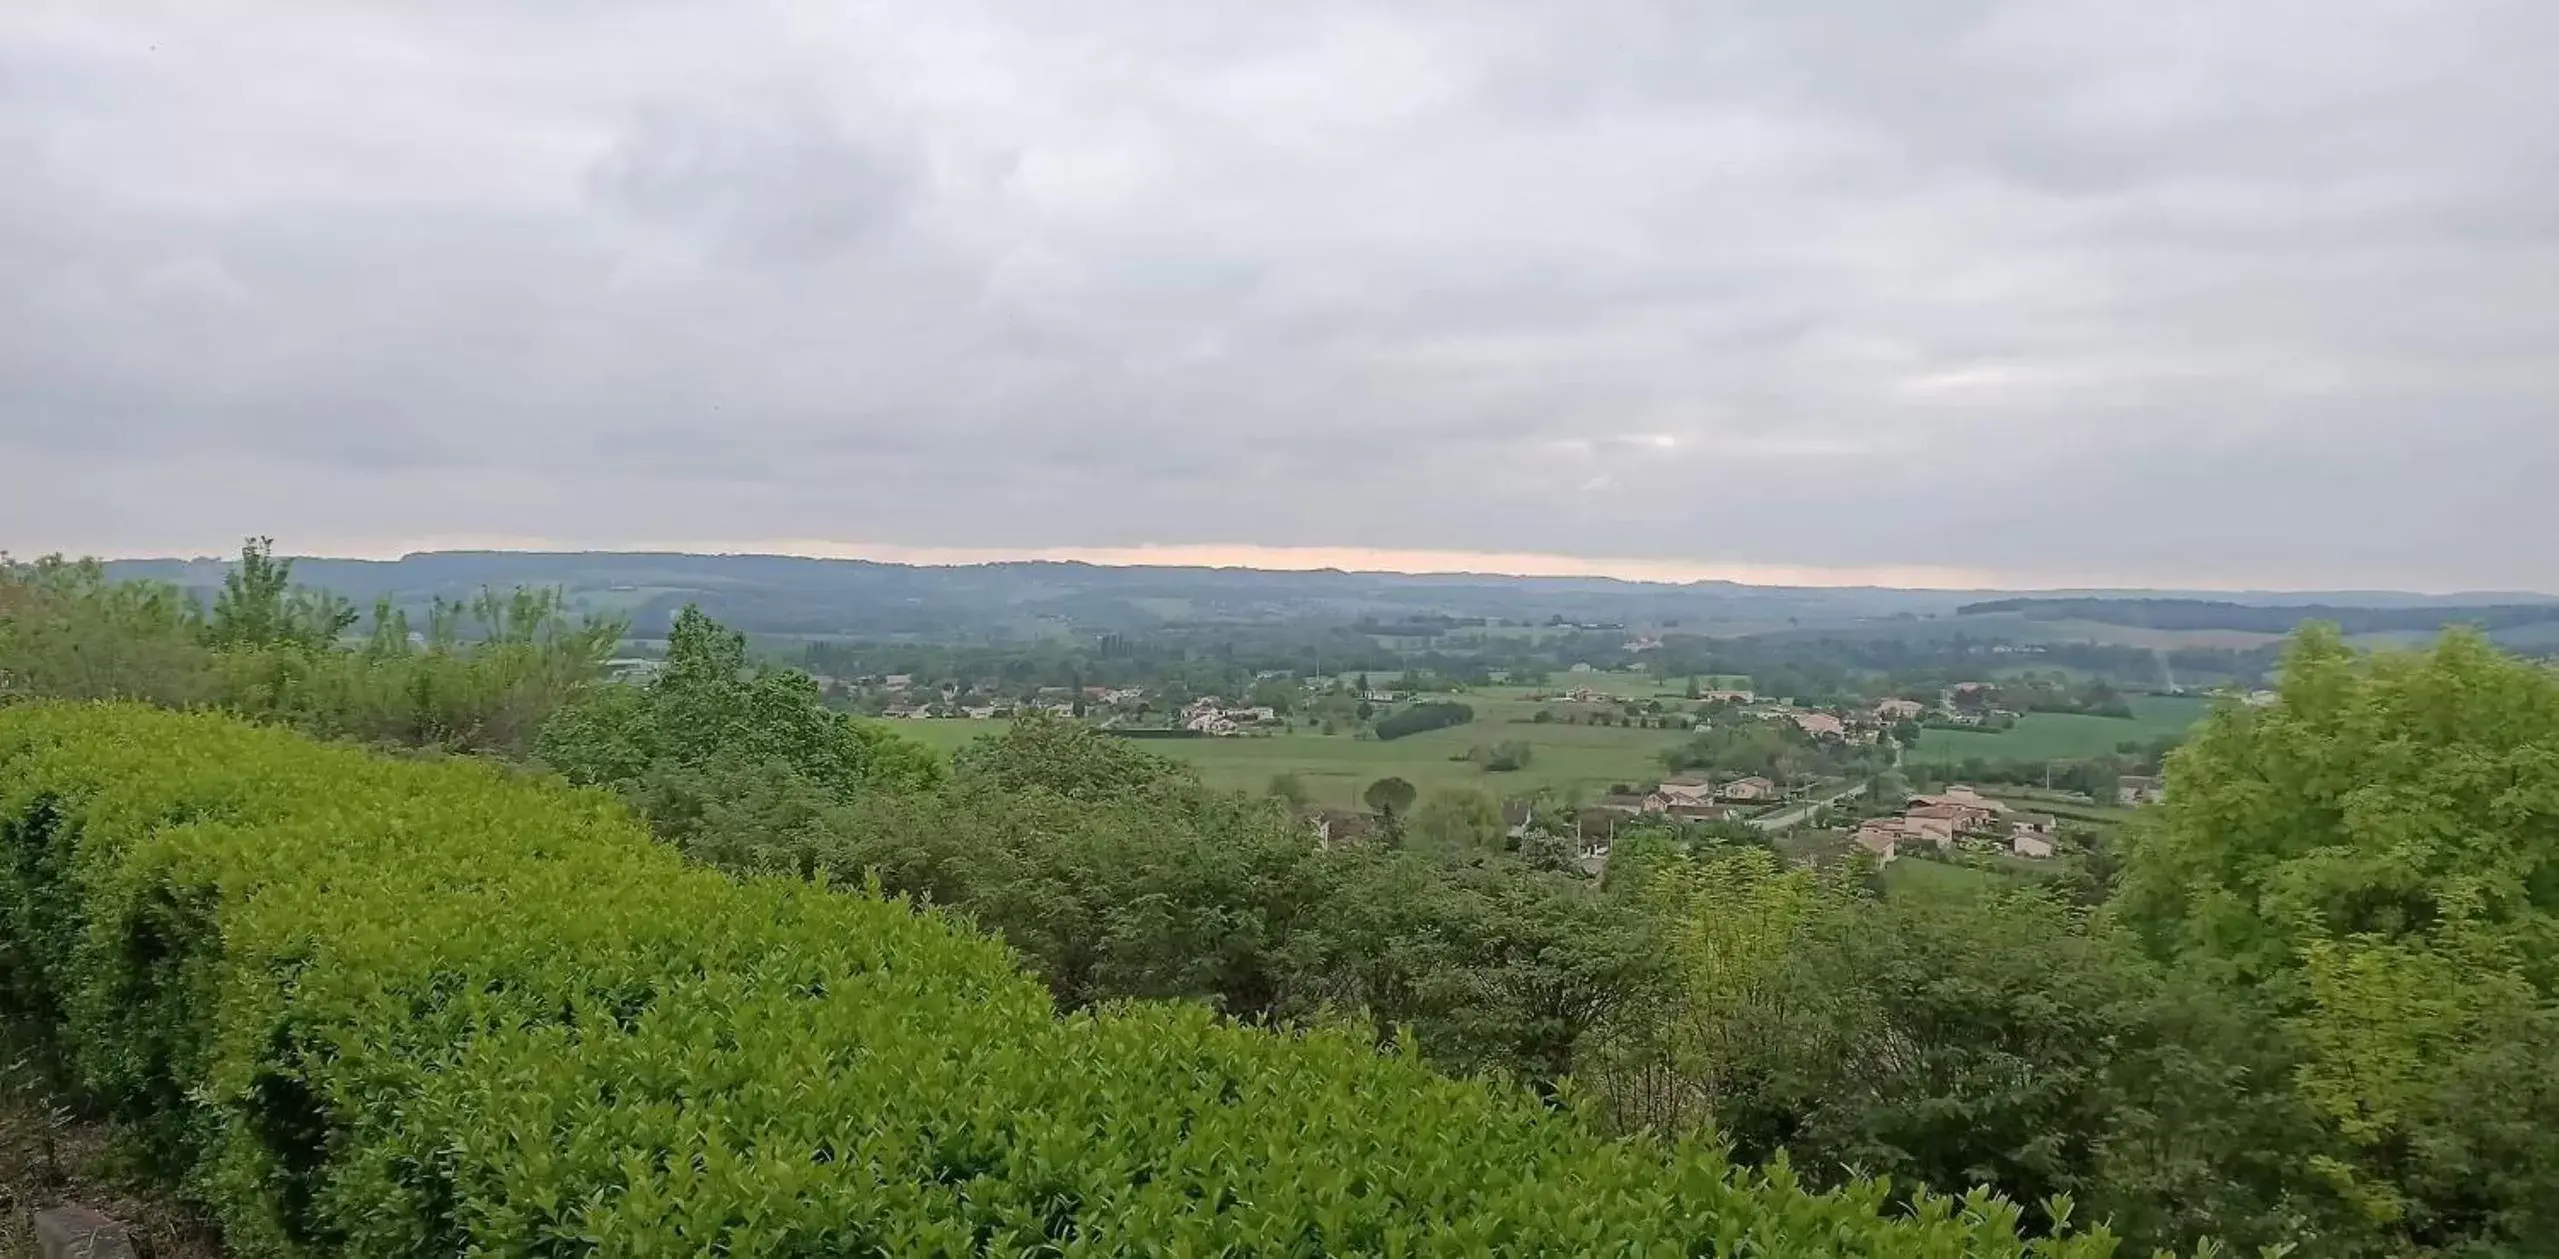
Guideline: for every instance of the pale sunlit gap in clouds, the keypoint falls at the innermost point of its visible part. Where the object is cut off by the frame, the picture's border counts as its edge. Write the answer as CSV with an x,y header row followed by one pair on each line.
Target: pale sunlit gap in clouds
x,y
1919,292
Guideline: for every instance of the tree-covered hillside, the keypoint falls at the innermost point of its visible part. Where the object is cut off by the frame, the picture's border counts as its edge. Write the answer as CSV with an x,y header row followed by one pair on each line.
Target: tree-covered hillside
x,y
2307,1002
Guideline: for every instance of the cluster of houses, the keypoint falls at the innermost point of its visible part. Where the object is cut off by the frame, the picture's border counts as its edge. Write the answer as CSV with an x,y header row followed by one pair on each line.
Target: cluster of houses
x,y
1213,716
1961,814
949,700
1691,798
1846,726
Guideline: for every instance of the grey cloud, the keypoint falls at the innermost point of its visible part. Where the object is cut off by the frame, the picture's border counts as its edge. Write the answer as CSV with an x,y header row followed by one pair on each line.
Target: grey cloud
x,y
787,185
2253,292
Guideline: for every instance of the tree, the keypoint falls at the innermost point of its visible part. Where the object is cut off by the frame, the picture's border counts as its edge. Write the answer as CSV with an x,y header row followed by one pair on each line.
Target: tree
x,y
1947,1040
259,606
1435,715
1042,750
1459,818
1389,797
68,632
2373,864
708,707
1289,789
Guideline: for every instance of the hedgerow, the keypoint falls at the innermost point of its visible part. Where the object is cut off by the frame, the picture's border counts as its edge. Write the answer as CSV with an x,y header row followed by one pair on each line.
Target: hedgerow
x,y
377,1007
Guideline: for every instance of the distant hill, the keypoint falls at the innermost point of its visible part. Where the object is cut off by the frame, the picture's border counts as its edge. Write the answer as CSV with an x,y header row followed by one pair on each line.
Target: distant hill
x,y
793,595
2209,614
786,596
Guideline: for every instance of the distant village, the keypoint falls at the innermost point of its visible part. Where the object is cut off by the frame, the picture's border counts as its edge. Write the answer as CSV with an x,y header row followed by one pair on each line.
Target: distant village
x,y
1832,804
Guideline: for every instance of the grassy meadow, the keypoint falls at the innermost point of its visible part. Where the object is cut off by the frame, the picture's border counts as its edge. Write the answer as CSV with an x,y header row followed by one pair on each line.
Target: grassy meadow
x,y
2064,736
1337,767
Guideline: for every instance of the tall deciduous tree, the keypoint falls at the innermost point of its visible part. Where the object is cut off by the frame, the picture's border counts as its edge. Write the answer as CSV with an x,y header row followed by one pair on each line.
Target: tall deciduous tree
x,y
259,606
1389,797
1457,819
2373,862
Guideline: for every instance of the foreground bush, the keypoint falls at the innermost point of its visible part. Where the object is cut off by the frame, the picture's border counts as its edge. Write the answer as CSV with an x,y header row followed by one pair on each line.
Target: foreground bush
x,y
374,1007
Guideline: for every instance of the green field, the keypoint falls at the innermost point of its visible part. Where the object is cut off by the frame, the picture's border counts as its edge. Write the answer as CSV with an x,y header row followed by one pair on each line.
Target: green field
x,y
2064,736
1336,768
1918,876
2060,804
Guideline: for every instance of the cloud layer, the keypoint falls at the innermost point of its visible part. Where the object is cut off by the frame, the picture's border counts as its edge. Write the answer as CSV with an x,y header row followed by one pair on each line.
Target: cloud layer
x,y
2042,291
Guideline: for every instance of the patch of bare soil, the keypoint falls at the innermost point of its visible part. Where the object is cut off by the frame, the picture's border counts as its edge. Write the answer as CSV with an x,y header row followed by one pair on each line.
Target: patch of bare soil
x,y
48,1158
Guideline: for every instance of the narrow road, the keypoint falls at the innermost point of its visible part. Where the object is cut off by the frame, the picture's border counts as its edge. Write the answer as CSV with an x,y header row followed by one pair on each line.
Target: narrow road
x,y
1789,817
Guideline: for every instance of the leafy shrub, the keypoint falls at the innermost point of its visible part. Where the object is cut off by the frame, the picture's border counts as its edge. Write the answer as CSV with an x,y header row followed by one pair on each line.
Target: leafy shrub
x,y
372,1007
1434,715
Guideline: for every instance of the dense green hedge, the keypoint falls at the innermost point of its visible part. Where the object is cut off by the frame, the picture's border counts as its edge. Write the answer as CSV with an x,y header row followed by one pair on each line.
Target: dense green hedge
x,y
377,1007
1428,715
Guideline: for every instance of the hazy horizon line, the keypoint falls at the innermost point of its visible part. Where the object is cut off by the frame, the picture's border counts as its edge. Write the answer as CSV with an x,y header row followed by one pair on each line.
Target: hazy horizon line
x,y
1407,561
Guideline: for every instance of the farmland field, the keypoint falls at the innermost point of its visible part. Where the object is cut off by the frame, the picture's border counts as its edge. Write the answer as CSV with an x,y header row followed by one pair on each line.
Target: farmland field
x,y
1335,768
1916,876
2064,736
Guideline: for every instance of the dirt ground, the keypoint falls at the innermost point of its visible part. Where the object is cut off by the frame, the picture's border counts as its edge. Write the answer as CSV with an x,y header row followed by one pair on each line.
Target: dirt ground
x,y
47,1159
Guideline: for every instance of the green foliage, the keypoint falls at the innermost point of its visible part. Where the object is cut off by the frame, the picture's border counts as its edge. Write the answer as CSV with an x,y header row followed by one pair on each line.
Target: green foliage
x,y
708,717
1289,789
259,606
1954,1039
369,1008
481,678
1389,797
1457,818
1429,715
66,631
488,689
1773,749
1046,752
2373,864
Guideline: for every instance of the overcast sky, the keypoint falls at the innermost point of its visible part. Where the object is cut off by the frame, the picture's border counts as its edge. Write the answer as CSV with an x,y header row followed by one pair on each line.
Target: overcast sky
x,y
2175,292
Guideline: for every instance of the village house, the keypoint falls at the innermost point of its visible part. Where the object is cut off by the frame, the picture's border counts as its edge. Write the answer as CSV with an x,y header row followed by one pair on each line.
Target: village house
x,y
1899,710
1821,725
1750,789
1961,817
2131,791
2027,839
1339,826
1882,838
1677,792
898,681
1728,697
1959,793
